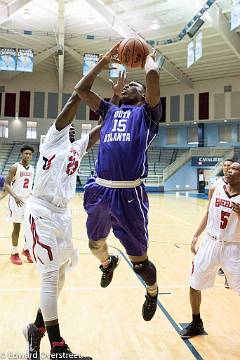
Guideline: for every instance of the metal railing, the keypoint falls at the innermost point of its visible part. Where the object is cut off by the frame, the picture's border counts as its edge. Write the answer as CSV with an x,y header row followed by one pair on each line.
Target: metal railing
x,y
218,167
153,180
182,160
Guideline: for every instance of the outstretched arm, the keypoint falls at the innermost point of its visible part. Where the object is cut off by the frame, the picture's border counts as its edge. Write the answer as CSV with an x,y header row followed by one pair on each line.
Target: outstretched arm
x,y
94,136
152,80
118,87
69,111
83,87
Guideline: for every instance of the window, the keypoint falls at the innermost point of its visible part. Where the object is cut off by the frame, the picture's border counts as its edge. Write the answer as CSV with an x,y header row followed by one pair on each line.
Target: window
x,y
225,134
192,135
171,136
3,129
31,130
85,129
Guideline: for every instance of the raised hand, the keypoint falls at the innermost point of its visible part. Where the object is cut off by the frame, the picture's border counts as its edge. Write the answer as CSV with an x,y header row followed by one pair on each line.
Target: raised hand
x,y
121,82
153,54
112,55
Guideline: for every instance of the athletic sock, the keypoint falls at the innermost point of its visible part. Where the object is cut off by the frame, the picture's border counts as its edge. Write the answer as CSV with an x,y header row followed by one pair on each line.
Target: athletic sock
x,y
152,290
196,318
54,333
14,250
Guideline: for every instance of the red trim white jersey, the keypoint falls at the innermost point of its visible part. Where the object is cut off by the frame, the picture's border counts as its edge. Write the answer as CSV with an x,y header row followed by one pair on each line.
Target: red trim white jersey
x,y
223,222
57,167
22,183
219,181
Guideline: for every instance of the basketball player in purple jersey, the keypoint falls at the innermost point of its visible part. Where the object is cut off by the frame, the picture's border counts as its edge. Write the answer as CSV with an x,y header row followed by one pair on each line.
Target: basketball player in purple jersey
x,y
118,199
3,194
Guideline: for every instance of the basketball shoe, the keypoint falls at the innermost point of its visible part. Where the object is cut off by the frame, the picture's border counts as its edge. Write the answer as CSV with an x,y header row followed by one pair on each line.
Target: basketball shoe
x,y
220,272
60,350
193,329
107,273
149,307
226,283
28,256
33,335
15,259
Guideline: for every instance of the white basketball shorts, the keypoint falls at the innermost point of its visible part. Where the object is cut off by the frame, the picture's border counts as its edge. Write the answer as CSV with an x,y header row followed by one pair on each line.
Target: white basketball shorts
x,y
211,255
48,232
16,213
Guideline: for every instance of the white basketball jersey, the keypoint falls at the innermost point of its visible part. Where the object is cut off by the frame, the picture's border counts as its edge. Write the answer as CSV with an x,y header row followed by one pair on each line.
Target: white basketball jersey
x,y
22,182
57,167
223,222
219,181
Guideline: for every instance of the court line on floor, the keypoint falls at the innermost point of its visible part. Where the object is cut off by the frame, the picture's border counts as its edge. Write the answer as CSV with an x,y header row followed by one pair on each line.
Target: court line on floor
x,y
101,289
165,312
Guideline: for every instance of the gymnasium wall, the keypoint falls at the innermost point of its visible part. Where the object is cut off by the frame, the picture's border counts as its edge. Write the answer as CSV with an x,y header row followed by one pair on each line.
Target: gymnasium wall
x,y
186,175
43,101
35,97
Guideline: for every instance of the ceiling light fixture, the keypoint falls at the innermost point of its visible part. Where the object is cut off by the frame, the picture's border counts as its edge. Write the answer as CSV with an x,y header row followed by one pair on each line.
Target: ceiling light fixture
x,y
154,25
26,13
91,20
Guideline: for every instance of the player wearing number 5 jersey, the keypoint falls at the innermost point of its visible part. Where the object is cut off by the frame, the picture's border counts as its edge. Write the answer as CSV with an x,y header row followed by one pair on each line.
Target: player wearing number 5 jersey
x,y
18,184
220,246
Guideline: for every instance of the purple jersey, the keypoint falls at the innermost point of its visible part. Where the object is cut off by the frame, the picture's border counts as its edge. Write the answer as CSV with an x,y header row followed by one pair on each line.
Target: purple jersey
x,y
125,137
1,181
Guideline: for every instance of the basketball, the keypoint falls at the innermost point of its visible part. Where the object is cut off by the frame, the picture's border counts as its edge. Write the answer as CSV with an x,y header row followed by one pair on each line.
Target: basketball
x,y
132,52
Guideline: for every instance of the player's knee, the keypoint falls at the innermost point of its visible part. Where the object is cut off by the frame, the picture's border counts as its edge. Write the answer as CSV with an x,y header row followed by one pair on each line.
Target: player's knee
x,y
97,245
49,281
194,291
146,270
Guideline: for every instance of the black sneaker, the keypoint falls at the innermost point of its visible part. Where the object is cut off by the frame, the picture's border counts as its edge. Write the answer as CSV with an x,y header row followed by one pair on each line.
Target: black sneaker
x,y
107,273
33,335
220,272
60,350
149,307
193,329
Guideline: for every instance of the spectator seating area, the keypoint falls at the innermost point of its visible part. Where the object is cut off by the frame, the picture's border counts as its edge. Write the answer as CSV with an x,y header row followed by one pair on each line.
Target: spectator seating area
x,y
158,159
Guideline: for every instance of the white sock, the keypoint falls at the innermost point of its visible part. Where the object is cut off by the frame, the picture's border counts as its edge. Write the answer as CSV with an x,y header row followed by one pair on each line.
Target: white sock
x,y
14,250
25,246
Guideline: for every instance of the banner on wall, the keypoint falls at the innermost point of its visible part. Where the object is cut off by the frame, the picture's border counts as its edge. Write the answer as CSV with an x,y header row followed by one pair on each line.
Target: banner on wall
x,y
205,160
235,15
89,61
115,69
7,59
25,60
190,54
198,47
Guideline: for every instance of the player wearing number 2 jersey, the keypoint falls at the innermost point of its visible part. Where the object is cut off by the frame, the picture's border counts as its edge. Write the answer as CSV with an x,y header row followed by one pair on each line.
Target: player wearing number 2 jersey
x,y
220,246
18,184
